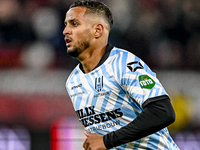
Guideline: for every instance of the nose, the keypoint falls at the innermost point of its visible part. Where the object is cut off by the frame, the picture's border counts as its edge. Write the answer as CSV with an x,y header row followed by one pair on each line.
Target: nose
x,y
66,30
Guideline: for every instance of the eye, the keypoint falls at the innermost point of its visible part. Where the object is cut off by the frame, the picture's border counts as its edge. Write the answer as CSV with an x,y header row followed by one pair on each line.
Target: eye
x,y
74,24
65,24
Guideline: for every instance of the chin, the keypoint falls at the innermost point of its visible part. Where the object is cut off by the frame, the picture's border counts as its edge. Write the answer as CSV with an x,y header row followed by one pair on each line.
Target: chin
x,y
72,53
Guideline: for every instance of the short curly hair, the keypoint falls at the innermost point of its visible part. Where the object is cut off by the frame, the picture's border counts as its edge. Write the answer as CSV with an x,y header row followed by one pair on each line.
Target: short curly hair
x,y
95,7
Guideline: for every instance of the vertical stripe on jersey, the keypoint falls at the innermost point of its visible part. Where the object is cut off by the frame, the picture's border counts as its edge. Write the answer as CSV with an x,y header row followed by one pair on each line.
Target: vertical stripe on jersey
x,y
88,78
75,100
117,65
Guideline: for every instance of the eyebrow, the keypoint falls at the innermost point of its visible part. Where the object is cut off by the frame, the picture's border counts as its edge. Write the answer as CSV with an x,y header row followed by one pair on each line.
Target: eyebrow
x,y
71,20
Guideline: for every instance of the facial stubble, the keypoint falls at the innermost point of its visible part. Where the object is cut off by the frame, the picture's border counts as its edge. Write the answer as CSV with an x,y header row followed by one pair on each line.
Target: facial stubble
x,y
78,49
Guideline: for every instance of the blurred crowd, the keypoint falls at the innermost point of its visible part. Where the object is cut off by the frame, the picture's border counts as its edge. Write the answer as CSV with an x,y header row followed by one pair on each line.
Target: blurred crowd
x,y
165,34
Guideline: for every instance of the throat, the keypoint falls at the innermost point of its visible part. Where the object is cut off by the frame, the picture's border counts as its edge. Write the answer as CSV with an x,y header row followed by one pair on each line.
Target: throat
x,y
97,59
89,66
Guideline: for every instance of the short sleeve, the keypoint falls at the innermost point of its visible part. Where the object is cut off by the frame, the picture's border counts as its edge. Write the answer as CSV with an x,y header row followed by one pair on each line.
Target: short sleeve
x,y
139,81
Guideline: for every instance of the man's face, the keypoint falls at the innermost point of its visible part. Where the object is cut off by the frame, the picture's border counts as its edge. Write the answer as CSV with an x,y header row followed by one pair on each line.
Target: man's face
x,y
77,32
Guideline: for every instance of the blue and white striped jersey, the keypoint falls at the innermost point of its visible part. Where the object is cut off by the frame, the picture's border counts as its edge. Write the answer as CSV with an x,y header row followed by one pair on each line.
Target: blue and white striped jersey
x,y
112,95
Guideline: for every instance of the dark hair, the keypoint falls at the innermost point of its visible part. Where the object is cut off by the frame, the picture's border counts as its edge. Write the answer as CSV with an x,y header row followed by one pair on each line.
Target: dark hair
x,y
95,7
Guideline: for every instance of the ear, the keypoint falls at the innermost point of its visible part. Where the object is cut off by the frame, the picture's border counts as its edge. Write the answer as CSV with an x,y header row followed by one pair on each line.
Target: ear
x,y
98,30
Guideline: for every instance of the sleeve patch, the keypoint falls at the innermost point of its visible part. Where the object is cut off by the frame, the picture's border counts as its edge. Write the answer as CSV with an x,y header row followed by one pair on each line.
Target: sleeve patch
x,y
146,82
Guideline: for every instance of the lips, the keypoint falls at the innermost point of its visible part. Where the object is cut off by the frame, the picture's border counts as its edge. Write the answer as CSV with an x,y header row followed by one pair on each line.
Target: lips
x,y
68,41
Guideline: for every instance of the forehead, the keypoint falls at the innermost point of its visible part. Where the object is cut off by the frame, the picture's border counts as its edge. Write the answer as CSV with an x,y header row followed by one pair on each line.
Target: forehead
x,y
75,12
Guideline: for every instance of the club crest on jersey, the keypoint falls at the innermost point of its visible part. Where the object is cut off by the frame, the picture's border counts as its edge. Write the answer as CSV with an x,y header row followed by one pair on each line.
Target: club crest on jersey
x,y
99,83
146,82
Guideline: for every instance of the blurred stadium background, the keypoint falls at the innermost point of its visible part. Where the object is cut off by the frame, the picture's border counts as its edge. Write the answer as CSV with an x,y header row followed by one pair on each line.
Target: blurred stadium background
x,y
35,110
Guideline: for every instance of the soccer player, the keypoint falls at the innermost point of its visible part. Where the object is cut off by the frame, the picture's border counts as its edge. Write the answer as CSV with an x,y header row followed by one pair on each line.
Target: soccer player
x,y
116,96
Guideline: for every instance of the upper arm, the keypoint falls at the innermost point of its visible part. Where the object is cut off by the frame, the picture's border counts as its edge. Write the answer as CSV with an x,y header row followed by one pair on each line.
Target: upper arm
x,y
140,82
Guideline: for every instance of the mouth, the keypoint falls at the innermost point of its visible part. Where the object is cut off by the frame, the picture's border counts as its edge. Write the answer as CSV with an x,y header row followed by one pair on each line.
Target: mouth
x,y
68,41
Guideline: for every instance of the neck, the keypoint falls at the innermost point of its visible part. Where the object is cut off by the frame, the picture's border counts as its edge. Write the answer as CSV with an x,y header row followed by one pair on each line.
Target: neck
x,y
92,58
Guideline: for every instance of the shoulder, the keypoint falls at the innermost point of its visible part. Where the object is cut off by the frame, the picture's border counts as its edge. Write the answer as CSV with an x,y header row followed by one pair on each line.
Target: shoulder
x,y
127,60
117,51
125,55
123,63
128,65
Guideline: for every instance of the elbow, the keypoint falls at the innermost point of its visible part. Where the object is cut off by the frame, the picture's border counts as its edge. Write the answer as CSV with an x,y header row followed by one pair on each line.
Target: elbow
x,y
170,117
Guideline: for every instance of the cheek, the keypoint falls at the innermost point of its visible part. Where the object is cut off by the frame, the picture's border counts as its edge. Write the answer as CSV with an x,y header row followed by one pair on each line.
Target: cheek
x,y
84,35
